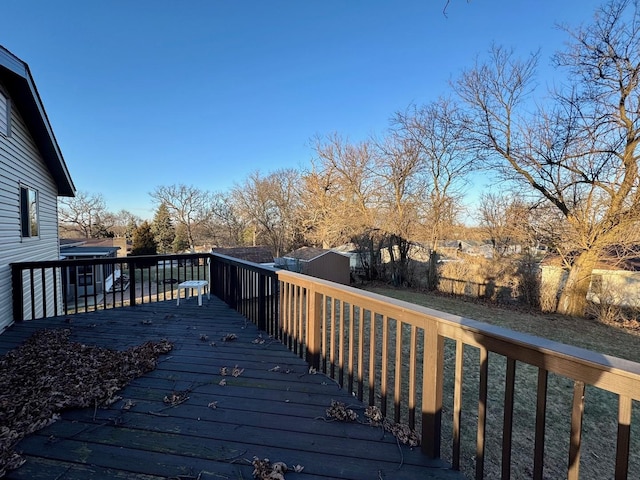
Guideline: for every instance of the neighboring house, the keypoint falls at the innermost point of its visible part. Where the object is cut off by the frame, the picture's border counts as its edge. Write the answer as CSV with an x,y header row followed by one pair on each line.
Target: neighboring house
x,y
357,257
33,174
83,280
319,263
613,282
122,245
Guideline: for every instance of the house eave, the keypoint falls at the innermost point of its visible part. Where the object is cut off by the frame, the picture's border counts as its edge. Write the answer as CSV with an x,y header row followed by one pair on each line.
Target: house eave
x,y
16,78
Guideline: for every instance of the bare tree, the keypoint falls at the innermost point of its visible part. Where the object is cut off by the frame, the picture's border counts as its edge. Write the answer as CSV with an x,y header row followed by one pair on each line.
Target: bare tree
x,y
271,204
434,133
323,219
580,153
125,224
345,172
399,199
188,206
227,226
504,218
85,215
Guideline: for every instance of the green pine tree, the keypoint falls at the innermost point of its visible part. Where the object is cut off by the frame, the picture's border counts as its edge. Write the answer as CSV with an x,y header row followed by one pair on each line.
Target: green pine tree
x,y
163,229
144,242
181,240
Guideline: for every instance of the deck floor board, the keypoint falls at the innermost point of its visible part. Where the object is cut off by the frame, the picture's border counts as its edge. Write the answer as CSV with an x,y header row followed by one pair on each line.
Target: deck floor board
x,y
273,409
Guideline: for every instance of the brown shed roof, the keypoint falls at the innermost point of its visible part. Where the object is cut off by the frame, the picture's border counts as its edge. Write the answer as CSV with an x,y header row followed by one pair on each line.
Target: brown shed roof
x,y
307,253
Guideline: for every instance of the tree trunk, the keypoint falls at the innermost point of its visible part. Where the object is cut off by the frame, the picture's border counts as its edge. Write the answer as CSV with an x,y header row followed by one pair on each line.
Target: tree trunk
x,y
432,273
573,299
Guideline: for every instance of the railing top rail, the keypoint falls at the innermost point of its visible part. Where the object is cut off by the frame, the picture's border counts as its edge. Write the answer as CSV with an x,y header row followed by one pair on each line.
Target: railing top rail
x,y
104,260
256,267
616,374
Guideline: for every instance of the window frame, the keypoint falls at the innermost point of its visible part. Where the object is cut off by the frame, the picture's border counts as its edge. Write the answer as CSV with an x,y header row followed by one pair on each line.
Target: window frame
x,y
29,212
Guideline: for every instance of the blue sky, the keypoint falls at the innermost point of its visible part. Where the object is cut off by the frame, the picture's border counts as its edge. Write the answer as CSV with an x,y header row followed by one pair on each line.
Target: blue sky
x,y
143,93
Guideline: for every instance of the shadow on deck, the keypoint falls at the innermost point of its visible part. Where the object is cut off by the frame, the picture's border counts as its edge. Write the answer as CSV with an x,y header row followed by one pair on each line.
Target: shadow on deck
x,y
273,409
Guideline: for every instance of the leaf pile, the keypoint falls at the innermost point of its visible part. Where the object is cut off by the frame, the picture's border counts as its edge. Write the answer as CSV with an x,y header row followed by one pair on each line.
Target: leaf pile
x,y
406,435
49,373
263,469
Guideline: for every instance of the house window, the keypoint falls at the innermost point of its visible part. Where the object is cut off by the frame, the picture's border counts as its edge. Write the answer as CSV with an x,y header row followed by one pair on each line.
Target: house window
x,y
28,212
5,114
85,275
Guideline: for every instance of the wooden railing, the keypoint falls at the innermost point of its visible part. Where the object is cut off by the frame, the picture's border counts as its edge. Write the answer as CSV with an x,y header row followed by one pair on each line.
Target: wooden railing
x,y
63,287
415,363
468,388
249,288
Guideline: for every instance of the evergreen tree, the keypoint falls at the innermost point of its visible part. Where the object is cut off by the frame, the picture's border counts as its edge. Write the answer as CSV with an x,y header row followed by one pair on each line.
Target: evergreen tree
x,y
163,229
143,241
181,239
130,231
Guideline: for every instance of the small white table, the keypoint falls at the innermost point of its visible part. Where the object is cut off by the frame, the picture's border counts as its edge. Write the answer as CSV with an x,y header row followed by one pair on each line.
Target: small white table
x,y
188,286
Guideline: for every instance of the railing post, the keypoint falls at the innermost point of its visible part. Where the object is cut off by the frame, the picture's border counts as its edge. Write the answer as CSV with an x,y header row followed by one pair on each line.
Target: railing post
x,y
17,293
433,366
314,323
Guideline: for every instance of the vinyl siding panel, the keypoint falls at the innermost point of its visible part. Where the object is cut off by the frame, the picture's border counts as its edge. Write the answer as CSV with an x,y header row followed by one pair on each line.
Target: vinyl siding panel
x,y
22,164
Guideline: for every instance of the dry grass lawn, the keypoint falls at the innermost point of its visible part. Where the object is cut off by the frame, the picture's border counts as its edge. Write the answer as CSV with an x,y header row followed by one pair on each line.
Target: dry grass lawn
x,y
600,417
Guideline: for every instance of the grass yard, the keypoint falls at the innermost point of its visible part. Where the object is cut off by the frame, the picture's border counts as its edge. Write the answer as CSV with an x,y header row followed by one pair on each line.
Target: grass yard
x,y
600,416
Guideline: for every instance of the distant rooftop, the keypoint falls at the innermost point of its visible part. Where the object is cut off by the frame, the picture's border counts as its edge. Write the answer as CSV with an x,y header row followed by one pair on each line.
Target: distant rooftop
x,y
249,254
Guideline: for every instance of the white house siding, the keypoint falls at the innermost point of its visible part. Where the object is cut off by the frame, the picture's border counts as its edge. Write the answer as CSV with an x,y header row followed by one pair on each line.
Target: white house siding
x,y
21,162
613,287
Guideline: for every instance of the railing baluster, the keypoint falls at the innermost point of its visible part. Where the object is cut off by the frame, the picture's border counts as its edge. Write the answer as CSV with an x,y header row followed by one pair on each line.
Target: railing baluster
x,y
361,315
412,376
316,312
326,307
482,412
384,365
372,358
342,332
541,411
352,336
397,386
43,281
577,413
54,272
507,429
33,294
623,442
457,403
332,338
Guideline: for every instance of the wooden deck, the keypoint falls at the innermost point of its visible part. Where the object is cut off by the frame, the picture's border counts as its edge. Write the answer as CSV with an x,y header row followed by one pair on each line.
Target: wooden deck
x,y
274,409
